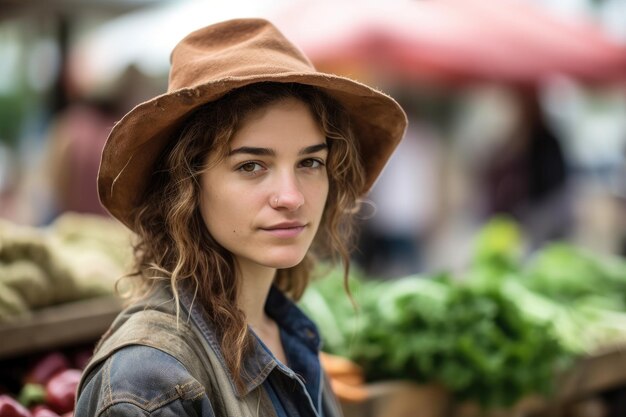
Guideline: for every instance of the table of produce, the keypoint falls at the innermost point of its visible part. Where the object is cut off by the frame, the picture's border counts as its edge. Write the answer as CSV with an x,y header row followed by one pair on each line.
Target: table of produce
x,y
515,330
48,386
515,333
56,299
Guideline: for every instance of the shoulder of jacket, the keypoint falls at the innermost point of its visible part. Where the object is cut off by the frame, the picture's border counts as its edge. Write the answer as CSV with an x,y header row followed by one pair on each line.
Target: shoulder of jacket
x,y
140,378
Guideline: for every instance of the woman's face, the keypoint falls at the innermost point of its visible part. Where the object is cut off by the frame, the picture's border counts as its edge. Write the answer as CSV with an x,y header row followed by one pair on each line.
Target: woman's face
x,y
264,201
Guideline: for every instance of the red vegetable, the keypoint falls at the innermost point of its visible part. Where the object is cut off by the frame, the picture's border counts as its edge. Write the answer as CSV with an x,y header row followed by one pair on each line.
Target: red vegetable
x,y
43,411
81,358
61,390
47,367
11,408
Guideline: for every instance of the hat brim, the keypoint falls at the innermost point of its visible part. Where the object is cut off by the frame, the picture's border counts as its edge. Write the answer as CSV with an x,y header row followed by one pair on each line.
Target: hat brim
x,y
137,140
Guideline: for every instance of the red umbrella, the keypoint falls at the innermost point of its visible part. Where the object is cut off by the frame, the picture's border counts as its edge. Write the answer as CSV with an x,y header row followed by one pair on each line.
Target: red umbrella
x,y
577,48
454,40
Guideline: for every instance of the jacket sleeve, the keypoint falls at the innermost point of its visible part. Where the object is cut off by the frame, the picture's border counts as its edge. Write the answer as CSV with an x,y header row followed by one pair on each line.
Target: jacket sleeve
x,y
179,408
142,381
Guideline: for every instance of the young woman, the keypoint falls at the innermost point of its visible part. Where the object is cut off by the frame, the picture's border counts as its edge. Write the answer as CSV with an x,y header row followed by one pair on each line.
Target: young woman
x,y
250,164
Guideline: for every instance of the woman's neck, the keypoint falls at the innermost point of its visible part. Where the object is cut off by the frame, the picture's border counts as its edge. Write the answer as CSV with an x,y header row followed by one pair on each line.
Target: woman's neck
x,y
256,281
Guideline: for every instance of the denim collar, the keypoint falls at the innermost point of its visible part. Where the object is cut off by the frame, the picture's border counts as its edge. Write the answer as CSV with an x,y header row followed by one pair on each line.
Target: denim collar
x,y
260,362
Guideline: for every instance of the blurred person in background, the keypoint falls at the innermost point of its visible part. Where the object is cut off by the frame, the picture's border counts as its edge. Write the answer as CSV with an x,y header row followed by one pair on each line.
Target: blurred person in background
x,y
250,165
510,162
76,138
527,175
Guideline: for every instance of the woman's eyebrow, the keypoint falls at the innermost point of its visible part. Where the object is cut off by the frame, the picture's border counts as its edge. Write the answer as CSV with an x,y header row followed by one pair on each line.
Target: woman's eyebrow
x,y
251,150
312,149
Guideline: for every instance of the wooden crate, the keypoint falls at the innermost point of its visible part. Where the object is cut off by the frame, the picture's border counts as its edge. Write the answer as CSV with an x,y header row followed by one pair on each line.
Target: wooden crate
x,y
603,371
401,399
579,394
58,326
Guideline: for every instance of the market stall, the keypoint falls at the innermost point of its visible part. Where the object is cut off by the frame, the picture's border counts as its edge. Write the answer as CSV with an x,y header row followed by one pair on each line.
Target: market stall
x,y
509,335
512,335
56,300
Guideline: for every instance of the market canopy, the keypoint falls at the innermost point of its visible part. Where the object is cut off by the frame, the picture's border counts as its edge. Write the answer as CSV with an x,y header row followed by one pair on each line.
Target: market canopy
x,y
448,41
456,40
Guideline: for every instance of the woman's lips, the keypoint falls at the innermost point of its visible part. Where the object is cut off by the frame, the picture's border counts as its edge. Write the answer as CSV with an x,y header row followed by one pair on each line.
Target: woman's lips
x,y
285,230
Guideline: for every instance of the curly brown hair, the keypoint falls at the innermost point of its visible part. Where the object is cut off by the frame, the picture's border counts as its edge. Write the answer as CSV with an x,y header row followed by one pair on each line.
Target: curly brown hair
x,y
173,244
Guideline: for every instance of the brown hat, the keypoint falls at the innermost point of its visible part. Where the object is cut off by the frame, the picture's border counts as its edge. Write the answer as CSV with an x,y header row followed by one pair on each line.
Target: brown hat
x,y
206,65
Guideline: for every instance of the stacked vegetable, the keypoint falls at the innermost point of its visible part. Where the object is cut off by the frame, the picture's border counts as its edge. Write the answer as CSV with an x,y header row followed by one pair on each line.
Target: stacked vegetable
x,y
494,334
76,257
580,294
49,387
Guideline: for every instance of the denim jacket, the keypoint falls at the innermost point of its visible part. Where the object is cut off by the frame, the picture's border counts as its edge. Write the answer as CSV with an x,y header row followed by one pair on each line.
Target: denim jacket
x,y
149,363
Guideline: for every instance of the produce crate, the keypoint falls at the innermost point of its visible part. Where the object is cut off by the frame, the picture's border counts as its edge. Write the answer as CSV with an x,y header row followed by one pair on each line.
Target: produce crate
x,y
595,386
600,372
406,399
58,326
582,392
401,399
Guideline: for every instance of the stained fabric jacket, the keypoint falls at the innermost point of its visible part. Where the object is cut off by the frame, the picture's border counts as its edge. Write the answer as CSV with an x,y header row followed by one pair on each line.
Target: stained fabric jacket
x,y
151,364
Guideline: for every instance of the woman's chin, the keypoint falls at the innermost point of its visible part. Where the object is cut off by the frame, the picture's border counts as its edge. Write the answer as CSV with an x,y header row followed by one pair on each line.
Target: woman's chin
x,y
284,261
285,264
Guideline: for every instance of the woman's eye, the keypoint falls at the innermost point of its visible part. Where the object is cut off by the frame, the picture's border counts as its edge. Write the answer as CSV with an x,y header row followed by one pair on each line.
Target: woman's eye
x,y
250,167
312,163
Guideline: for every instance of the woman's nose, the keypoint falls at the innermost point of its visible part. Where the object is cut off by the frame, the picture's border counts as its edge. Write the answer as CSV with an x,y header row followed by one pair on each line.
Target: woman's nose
x,y
288,194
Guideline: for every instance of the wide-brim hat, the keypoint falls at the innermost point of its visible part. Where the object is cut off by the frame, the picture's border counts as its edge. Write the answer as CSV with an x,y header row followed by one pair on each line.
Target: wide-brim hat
x,y
207,64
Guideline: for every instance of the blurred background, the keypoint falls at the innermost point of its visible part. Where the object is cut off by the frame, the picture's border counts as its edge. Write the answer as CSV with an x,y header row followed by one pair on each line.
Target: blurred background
x,y
517,111
516,107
